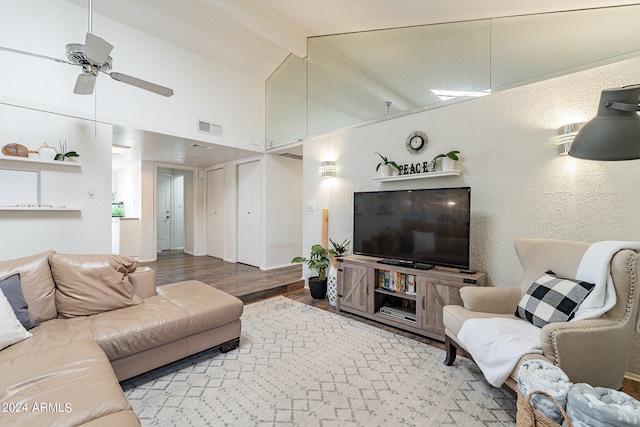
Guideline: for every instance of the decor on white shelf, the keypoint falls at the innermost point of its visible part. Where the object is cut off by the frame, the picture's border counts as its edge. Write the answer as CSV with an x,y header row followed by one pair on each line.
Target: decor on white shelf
x,y
404,177
386,166
448,160
47,152
64,154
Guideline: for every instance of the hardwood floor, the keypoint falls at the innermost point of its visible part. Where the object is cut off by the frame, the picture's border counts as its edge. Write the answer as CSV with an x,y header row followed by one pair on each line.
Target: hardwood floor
x,y
251,284
243,281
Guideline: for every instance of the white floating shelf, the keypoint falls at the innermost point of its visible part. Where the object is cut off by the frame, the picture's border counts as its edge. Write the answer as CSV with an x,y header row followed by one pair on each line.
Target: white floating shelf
x,y
424,175
39,161
38,209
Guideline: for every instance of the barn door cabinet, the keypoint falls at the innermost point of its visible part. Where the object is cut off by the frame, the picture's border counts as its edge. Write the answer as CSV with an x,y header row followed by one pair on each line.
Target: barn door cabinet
x,y
379,292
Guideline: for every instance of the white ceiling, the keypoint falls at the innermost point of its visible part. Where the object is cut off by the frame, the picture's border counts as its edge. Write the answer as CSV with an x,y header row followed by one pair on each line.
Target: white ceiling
x,y
255,36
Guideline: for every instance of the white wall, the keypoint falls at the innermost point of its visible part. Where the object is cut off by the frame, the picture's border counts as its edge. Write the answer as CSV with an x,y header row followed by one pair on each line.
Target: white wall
x,y
126,184
519,186
282,192
88,231
283,217
203,89
178,212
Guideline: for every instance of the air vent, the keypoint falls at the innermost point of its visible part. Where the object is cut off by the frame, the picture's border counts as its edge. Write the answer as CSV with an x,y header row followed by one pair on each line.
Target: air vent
x,y
291,156
209,128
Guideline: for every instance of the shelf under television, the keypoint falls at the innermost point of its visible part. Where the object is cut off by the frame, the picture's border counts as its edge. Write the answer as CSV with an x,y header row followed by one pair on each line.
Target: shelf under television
x,y
424,175
399,294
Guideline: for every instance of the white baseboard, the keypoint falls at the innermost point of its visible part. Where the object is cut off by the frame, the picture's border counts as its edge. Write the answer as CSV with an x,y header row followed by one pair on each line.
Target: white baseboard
x,y
631,376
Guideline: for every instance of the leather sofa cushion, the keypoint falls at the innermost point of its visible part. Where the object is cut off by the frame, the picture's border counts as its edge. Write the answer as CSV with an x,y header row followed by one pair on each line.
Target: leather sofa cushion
x,y
37,284
179,309
92,284
75,383
50,334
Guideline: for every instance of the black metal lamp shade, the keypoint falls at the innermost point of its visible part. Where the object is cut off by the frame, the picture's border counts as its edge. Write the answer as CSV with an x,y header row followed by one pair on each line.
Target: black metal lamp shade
x,y
614,133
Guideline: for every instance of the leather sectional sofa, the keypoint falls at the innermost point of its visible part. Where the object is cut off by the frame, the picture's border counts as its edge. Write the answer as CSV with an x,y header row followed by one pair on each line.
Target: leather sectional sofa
x,y
101,321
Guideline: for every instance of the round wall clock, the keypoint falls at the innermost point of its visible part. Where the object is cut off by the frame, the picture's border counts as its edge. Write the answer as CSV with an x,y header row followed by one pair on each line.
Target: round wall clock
x,y
416,142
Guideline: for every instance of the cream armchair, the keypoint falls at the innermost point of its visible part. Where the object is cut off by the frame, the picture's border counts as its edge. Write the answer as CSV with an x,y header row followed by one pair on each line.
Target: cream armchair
x,y
592,351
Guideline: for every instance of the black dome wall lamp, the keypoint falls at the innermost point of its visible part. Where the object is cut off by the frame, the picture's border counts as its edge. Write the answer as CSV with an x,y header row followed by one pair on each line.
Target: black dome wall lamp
x,y
614,133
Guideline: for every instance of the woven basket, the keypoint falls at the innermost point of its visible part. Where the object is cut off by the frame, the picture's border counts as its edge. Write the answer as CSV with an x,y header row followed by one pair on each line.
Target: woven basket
x,y
527,416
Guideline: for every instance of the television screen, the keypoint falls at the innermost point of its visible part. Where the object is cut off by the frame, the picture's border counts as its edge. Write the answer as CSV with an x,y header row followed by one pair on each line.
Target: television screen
x,y
426,226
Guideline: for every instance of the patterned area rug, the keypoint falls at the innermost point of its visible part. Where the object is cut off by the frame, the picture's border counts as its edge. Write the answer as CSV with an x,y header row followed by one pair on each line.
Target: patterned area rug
x,y
301,366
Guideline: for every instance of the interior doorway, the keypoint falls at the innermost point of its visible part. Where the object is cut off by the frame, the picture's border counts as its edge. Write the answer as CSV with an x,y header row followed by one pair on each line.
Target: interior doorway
x,y
170,209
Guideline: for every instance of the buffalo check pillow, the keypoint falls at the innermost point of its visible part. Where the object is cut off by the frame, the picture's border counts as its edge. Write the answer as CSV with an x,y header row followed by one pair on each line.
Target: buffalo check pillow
x,y
552,299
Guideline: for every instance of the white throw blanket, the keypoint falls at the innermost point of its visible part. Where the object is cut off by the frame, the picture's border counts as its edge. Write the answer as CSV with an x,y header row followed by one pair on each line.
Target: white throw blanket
x,y
497,344
601,407
540,375
595,268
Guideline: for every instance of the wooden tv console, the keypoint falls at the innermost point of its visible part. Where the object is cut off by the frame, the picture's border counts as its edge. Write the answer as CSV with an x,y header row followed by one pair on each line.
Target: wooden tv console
x,y
360,292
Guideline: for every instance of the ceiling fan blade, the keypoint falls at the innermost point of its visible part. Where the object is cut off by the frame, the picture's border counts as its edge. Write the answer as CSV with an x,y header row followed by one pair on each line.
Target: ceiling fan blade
x,y
35,55
85,84
142,84
96,49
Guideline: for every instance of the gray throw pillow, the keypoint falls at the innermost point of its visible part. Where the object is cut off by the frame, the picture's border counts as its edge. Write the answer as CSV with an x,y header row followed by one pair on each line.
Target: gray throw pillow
x,y
12,289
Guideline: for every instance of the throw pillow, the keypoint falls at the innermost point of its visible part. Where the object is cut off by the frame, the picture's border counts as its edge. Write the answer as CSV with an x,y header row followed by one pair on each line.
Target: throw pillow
x,y
11,331
13,292
92,284
552,299
37,284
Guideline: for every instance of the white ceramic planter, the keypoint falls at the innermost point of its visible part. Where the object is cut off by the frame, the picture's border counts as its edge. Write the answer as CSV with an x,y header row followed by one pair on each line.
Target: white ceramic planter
x,y
448,164
386,170
47,153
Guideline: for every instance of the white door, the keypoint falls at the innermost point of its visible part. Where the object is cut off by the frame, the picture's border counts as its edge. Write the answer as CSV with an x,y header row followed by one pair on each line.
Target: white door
x,y
163,212
249,213
215,213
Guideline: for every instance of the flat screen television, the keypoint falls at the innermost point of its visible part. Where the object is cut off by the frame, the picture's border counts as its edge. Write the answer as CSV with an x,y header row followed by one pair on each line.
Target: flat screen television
x,y
414,228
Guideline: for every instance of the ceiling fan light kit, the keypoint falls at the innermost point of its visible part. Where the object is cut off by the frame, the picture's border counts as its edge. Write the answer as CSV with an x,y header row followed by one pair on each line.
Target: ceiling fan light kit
x,y
93,57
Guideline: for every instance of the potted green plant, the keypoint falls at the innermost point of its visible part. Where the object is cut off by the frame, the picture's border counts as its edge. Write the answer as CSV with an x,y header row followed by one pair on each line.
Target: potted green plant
x,y
339,249
318,261
386,166
64,154
448,160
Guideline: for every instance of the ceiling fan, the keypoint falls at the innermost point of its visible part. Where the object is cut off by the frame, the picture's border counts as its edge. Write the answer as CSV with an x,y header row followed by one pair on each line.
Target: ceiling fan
x,y
93,57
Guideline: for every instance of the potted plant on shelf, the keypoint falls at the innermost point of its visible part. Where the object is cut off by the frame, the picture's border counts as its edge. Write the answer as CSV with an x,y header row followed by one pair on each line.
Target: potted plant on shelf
x,y
64,154
339,249
386,166
447,161
319,261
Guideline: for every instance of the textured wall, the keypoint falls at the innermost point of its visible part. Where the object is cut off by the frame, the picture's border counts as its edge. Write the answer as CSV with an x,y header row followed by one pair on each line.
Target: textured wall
x,y
519,186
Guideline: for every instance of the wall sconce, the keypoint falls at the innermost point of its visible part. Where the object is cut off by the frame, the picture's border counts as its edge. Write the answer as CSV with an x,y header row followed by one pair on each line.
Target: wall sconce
x,y
119,149
614,133
565,137
328,169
